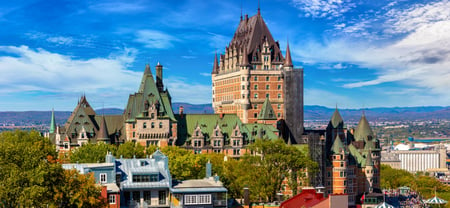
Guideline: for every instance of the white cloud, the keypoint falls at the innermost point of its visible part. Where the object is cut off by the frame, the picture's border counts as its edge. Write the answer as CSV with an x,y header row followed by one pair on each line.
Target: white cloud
x,y
155,39
324,8
60,40
419,59
118,7
182,91
205,74
25,69
189,57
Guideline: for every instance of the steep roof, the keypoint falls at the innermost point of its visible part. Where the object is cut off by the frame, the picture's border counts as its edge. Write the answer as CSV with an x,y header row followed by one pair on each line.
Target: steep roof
x,y
337,146
267,112
369,161
336,119
363,130
251,34
148,93
52,123
103,132
288,60
215,69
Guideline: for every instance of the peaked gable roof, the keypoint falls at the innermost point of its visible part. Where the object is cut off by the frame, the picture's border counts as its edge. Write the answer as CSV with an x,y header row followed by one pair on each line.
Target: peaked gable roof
x,y
267,112
336,119
337,146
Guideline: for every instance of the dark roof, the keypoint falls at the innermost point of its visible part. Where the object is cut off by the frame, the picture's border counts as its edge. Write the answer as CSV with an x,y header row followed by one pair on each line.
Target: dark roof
x,y
216,65
369,161
251,34
103,132
337,146
288,60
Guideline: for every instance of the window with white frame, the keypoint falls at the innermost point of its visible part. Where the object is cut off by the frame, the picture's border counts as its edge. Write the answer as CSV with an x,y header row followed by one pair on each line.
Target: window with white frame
x,y
197,199
103,178
112,199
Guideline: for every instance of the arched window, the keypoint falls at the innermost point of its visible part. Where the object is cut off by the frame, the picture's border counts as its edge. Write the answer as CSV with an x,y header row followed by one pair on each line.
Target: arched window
x,y
144,125
153,125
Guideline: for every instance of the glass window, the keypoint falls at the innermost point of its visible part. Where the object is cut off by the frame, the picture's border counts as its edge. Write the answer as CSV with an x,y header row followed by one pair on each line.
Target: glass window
x,y
267,87
256,95
267,78
255,78
256,87
162,197
144,125
279,87
267,95
103,178
112,199
160,125
153,125
279,95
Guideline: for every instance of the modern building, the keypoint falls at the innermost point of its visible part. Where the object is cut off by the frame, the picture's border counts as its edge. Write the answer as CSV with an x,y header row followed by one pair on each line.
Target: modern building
x,y
253,70
418,160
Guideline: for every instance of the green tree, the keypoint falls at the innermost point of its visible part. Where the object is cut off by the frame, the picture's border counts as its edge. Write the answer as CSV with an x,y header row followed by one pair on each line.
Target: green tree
x,y
91,153
130,150
183,164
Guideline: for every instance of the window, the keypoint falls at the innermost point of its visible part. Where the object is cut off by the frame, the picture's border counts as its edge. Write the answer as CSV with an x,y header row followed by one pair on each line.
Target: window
x,y
267,95
243,87
255,106
148,197
329,174
217,133
103,177
134,134
267,87
144,125
66,145
236,133
279,106
279,115
112,199
256,87
145,178
256,78
279,87
197,199
279,95
236,142
267,78
162,197
279,78
236,151
255,115
160,125
153,125
256,95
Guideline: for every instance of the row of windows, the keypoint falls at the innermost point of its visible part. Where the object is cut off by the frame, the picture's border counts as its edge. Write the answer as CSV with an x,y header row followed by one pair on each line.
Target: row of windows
x,y
145,178
152,125
197,199
267,95
255,87
255,115
256,106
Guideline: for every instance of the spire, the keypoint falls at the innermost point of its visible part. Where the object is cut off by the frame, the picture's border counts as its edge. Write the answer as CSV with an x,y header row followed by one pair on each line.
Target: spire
x,y
216,65
288,60
147,69
52,123
259,7
103,131
245,58
336,119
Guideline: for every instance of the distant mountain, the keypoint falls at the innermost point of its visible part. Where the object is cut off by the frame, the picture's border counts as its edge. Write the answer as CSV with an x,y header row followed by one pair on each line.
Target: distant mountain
x,y
311,112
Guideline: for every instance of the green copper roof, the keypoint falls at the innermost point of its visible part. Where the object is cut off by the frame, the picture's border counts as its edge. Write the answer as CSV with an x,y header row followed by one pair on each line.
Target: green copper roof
x,y
267,112
52,123
369,161
262,131
337,146
336,119
358,157
363,130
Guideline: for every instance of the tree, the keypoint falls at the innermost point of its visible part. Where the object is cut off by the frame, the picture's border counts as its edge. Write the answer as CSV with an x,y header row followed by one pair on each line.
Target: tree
x,y
79,190
130,150
183,164
30,175
91,153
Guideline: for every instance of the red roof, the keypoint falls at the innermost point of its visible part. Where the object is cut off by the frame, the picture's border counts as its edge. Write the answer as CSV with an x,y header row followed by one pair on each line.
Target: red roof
x,y
307,198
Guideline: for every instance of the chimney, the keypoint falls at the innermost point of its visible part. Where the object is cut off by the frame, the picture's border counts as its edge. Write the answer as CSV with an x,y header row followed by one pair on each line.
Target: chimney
x,y
208,169
181,111
220,112
246,196
159,77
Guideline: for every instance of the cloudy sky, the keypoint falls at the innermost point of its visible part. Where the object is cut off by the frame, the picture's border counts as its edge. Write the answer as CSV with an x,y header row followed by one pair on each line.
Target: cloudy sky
x,y
355,53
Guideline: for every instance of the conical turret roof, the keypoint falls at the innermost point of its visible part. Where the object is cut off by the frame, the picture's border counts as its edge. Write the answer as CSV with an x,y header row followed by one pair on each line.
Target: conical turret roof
x,y
147,69
369,160
337,146
363,130
288,60
103,131
336,119
215,69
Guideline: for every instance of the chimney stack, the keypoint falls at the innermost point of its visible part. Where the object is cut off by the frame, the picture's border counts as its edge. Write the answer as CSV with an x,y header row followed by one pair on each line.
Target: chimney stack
x,y
159,77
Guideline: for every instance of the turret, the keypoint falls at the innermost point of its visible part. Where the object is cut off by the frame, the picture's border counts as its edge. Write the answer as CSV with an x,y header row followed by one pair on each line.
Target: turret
x,y
288,60
159,77
103,132
369,171
215,69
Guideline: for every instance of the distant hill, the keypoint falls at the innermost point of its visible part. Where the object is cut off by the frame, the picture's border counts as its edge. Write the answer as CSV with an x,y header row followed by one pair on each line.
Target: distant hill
x,y
312,112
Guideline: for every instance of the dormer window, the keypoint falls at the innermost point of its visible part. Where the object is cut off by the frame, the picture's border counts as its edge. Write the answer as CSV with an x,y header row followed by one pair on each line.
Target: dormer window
x,y
236,133
217,133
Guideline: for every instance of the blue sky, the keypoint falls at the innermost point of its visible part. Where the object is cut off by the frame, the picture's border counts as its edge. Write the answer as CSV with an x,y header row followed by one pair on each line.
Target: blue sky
x,y
355,53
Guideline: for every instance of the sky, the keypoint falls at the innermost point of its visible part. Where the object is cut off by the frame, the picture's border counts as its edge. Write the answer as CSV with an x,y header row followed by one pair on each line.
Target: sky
x,y
355,53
